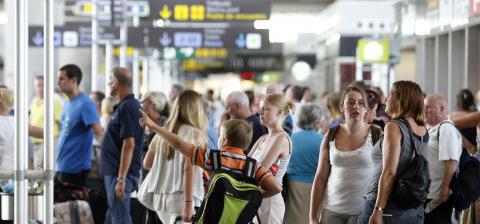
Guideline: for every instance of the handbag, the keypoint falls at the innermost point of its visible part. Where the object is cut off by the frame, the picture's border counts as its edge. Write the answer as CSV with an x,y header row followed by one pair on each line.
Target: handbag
x,y
145,196
412,185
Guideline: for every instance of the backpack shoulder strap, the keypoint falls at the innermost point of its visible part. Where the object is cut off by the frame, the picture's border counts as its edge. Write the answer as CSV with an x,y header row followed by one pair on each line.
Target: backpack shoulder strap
x,y
332,132
215,158
250,167
376,134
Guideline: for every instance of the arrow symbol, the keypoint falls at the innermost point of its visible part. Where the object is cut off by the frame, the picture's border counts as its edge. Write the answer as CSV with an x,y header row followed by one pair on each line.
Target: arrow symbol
x,y
165,13
165,40
38,38
240,41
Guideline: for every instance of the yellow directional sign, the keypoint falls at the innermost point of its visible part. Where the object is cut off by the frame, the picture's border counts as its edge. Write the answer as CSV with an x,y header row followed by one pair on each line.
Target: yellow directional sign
x,y
165,13
181,12
197,12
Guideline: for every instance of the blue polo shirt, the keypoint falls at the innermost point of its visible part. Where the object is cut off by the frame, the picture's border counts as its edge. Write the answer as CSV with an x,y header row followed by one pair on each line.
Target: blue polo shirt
x,y
123,124
76,136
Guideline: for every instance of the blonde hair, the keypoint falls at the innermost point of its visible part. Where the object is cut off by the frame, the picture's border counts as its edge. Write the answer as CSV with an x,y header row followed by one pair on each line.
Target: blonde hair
x,y
281,102
238,133
187,109
6,99
107,105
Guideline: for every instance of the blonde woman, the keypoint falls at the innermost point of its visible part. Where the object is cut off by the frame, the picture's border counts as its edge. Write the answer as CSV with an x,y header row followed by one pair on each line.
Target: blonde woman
x,y
7,130
273,151
176,186
344,164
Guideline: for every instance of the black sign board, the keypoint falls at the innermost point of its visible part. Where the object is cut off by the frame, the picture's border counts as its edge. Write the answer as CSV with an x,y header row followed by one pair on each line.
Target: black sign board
x,y
210,10
238,37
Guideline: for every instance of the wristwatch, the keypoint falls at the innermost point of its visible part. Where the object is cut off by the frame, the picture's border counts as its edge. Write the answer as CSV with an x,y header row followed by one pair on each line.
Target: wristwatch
x,y
120,180
378,208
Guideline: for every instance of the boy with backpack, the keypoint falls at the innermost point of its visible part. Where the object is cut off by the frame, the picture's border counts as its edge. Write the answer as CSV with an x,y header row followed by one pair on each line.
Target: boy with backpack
x,y
233,175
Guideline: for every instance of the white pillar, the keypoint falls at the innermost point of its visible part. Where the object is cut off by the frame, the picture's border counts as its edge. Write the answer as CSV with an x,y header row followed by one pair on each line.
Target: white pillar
x,y
108,65
135,73
94,47
48,162
21,112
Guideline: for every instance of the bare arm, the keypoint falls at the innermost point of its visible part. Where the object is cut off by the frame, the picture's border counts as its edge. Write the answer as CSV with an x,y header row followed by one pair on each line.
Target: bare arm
x,y
150,155
278,148
34,131
270,187
173,140
97,131
320,181
450,167
391,155
189,180
126,156
468,121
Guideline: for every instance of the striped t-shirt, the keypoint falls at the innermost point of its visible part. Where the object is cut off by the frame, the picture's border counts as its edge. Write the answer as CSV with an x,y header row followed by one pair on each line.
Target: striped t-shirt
x,y
232,158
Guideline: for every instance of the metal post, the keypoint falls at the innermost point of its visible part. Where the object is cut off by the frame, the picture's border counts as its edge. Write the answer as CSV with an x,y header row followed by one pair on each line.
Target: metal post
x,y
135,73
94,46
123,38
108,65
145,70
48,151
21,125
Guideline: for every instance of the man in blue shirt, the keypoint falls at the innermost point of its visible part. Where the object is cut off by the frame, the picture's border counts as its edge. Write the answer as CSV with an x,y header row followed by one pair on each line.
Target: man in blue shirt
x,y
122,149
79,121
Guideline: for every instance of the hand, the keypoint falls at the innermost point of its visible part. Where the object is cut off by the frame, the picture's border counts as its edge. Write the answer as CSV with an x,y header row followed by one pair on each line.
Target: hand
x,y
187,212
120,190
376,218
145,120
443,196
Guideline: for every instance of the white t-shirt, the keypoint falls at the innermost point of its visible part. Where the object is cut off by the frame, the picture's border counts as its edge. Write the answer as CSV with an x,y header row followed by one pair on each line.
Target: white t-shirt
x,y
448,147
7,139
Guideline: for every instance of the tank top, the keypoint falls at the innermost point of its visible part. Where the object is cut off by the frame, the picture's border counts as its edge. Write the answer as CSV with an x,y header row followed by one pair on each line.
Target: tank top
x,y
346,184
279,167
406,155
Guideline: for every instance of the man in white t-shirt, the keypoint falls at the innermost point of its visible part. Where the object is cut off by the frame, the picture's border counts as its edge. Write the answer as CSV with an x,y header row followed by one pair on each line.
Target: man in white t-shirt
x,y
444,150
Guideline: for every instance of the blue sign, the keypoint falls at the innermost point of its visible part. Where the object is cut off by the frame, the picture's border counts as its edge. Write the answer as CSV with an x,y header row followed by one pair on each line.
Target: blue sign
x,y
240,41
187,39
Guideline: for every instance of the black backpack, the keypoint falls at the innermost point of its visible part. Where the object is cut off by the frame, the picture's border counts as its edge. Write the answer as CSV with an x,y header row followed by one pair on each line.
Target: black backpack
x,y
375,132
232,197
465,184
412,185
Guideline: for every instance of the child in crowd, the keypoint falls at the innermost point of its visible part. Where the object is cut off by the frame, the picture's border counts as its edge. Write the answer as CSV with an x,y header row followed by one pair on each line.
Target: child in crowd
x,y
235,137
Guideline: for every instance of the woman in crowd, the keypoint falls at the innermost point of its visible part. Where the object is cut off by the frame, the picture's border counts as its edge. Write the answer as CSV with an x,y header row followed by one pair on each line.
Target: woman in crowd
x,y
7,130
466,105
392,156
175,184
155,105
345,163
273,151
303,164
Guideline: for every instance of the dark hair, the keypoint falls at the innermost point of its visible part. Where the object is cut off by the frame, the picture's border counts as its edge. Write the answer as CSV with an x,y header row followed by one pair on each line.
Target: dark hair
x,y
123,76
297,92
72,71
466,100
251,96
99,95
410,101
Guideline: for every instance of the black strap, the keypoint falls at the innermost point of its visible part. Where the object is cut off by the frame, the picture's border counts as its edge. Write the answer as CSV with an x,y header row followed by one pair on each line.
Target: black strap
x,y
331,135
376,134
443,122
249,169
215,158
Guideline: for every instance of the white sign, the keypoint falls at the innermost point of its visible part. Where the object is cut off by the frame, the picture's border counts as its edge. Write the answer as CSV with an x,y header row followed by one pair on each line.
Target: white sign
x,y
254,41
70,39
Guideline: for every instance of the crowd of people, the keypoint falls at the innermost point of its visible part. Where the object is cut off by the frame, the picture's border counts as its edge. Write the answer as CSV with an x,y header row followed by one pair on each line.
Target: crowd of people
x,y
336,157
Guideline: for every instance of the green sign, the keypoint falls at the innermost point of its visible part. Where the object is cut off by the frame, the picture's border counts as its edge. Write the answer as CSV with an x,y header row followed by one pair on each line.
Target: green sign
x,y
371,51
177,53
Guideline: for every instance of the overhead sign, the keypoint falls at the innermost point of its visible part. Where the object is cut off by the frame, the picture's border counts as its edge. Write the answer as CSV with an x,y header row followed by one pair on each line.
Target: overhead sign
x,y
238,37
71,35
210,10
255,63
105,9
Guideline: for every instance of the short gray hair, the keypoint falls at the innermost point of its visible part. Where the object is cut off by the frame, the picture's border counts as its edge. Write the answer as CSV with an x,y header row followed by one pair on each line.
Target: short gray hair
x,y
239,97
158,99
309,114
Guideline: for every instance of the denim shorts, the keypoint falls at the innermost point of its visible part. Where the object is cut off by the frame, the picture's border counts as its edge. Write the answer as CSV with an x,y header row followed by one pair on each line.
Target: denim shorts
x,y
392,214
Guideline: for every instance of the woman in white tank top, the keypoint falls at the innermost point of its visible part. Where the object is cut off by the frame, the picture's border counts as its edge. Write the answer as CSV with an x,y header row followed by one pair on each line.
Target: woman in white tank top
x,y
273,150
344,165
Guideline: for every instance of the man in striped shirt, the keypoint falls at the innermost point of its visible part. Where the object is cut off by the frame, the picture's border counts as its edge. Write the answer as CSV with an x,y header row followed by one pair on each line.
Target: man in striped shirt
x,y
235,137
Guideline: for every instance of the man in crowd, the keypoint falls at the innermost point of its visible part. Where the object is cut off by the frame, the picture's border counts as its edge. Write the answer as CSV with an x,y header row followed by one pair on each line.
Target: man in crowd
x,y
237,106
37,108
79,121
122,149
443,156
